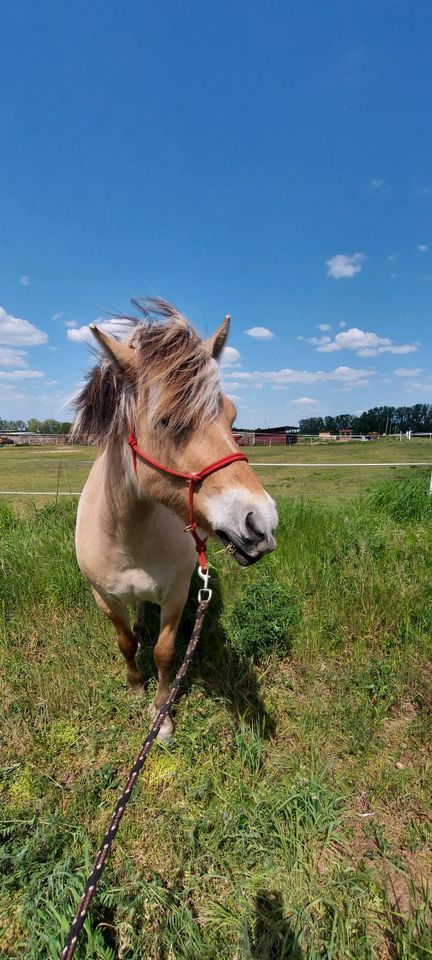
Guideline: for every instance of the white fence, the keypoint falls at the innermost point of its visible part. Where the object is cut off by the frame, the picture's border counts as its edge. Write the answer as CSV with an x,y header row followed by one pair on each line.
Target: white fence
x,y
285,465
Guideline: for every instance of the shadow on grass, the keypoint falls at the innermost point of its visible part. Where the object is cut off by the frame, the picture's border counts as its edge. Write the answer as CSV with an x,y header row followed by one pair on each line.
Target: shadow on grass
x,y
274,938
216,665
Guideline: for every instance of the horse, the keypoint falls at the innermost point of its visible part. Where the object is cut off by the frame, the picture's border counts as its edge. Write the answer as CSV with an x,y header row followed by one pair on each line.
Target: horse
x,y
161,386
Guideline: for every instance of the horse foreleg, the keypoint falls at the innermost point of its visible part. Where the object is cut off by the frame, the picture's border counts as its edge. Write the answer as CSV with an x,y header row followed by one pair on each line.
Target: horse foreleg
x,y
164,658
126,638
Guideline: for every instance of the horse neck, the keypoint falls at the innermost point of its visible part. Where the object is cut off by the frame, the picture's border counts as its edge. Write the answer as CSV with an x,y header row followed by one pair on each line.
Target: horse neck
x,y
119,489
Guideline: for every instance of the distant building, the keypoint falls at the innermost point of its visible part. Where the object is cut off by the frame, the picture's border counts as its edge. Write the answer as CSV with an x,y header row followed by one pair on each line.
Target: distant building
x,y
26,438
244,438
267,436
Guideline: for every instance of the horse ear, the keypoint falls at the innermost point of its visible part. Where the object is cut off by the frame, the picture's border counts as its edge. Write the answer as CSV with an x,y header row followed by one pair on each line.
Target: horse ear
x,y
217,342
123,356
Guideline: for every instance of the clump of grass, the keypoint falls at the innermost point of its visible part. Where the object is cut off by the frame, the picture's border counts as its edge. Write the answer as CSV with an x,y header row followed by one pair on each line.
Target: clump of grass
x,y
263,618
412,934
7,517
403,499
23,790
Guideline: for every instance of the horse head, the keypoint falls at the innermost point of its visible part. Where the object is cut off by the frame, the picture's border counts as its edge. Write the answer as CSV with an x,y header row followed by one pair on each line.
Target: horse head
x,y
163,383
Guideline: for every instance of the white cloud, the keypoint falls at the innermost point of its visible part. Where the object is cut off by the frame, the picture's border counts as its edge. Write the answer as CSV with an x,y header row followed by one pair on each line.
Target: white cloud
x,y
20,374
8,392
230,357
286,376
19,333
70,324
119,327
344,265
234,385
324,327
416,386
25,280
56,316
377,183
305,401
407,371
401,348
260,333
364,343
356,383
23,399
422,247
393,256
50,383
244,375
342,324
11,357
316,341
393,276
351,374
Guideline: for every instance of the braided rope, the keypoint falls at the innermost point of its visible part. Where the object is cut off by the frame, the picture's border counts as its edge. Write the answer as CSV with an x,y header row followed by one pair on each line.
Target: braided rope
x,y
99,863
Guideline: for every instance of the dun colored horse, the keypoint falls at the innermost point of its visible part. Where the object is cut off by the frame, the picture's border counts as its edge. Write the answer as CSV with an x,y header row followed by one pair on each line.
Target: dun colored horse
x,y
162,383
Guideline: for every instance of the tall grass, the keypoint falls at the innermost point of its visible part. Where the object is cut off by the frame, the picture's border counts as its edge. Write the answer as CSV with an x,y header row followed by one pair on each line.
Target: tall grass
x,y
403,500
276,823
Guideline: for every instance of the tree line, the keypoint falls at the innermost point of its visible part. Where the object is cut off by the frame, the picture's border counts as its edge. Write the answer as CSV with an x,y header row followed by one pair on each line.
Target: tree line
x,y
35,426
378,419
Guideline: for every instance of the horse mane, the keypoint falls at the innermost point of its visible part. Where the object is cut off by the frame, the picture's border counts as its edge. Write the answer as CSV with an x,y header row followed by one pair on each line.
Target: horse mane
x,y
176,374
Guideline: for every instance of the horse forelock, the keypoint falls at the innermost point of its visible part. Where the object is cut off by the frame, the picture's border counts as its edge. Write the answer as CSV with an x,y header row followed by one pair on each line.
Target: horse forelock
x,y
177,374
177,378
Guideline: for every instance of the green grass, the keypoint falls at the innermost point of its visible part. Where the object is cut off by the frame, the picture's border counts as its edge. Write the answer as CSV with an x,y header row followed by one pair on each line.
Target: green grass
x,y
289,818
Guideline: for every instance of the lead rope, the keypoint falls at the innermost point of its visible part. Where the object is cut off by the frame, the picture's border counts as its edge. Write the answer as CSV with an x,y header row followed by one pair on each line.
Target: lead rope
x,y
204,597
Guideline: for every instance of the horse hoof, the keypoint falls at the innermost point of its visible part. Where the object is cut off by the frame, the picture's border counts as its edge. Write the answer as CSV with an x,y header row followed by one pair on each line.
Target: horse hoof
x,y
167,728
135,686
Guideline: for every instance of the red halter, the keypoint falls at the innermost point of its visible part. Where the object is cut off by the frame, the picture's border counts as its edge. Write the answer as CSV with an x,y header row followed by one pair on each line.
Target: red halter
x,y
192,479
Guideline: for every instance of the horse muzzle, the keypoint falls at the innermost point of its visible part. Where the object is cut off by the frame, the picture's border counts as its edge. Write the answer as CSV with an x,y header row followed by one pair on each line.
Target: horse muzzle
x,y
248,547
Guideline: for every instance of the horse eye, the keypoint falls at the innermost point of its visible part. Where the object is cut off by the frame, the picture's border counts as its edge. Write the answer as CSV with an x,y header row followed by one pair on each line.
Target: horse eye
x,y
165,422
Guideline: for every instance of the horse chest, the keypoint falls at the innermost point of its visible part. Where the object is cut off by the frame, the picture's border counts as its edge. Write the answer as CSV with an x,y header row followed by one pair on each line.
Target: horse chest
x,y
148,574
133,584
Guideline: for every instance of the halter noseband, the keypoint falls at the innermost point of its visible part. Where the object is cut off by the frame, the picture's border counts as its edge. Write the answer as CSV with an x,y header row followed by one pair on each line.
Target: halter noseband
x,y
192,479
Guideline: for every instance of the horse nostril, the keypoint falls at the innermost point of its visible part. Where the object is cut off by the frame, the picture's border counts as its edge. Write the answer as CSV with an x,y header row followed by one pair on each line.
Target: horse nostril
x,y
251,525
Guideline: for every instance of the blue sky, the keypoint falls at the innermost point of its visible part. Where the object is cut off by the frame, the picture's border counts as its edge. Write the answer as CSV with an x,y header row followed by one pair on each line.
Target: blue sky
x,y
271,161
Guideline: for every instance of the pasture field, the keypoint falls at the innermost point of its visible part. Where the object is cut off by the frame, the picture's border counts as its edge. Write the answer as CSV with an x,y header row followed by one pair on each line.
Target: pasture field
x,y
289,818
64,470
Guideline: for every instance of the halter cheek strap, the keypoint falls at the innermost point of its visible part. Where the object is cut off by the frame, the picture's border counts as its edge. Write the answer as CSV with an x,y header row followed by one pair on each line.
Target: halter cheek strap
x,y
192,479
